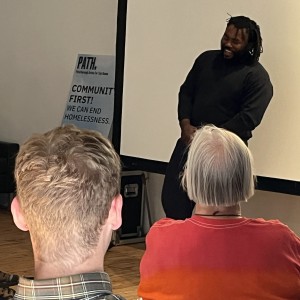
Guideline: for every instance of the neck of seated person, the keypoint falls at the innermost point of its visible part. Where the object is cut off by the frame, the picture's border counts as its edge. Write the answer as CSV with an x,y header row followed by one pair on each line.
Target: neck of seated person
x,y
94,263
218,211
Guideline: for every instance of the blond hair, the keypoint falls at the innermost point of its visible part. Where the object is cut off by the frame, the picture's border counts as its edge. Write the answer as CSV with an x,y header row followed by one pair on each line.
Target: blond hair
x,y
66,181
219,168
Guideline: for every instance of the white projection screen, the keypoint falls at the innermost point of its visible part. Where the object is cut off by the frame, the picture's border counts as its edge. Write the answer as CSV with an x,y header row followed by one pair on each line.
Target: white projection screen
x,y
164,37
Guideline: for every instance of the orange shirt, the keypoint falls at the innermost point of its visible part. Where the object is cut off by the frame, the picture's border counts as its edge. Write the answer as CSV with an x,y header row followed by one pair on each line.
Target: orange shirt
x,y
202,258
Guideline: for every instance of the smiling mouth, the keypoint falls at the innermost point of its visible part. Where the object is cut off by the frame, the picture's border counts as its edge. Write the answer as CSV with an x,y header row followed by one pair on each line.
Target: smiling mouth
x,y
228,53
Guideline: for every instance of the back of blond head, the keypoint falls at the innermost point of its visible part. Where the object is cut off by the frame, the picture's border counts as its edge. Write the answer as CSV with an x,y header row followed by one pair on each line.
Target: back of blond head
x,y
219,168
66,181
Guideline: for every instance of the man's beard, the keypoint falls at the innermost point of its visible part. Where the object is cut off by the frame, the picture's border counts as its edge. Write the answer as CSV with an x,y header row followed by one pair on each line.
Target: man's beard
x,y
242,56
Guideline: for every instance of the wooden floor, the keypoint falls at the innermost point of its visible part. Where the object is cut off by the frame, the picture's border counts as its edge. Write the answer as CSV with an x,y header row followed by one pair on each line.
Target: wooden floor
x,y
121,262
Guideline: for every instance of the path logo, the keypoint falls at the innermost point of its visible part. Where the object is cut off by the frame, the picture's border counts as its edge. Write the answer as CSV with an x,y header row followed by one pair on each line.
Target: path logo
x,y
86,63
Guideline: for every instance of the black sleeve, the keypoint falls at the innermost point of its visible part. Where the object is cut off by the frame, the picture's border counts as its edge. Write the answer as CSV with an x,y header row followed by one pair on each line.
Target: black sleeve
x,y
257,94
186,92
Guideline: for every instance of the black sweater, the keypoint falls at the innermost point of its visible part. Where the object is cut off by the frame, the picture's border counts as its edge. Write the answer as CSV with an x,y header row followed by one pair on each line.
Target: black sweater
x,y
225,93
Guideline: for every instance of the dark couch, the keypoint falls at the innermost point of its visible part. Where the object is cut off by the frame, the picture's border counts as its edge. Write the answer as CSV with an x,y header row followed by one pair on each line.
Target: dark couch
x,y
8,152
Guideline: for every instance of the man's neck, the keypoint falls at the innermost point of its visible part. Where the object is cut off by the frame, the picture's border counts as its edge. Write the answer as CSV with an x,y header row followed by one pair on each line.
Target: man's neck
x,y
61,268
54,270
94,263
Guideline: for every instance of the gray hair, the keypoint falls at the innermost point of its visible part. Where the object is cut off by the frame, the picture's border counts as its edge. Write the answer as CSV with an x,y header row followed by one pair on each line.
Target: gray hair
x,y
219,168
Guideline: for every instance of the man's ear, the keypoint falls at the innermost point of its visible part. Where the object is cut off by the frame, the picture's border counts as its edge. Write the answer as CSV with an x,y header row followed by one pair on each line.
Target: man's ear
x,y
115,212
18,216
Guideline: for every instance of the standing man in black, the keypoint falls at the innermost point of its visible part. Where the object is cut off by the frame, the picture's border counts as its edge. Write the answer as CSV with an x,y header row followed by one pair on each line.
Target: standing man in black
x,y
228,88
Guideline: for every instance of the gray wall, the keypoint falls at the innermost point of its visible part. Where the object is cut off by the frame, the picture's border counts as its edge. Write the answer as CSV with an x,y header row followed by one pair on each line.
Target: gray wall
x,y
40,41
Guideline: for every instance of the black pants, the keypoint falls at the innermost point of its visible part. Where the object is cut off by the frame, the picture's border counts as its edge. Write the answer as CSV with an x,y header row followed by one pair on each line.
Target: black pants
x,y
175,201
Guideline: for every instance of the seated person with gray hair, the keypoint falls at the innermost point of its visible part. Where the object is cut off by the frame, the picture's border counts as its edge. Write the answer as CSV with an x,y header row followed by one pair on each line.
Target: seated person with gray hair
x,y
218,253
68,198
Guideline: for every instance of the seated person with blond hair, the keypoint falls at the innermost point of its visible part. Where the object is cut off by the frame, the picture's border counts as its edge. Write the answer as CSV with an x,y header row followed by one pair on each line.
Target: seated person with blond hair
x,y
218,253
68,198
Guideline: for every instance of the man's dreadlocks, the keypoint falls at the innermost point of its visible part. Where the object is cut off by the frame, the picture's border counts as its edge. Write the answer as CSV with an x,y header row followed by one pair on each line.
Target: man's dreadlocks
x,y
254,37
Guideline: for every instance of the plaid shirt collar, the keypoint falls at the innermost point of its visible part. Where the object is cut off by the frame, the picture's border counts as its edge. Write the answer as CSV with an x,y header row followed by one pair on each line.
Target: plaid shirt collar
x,y
82,286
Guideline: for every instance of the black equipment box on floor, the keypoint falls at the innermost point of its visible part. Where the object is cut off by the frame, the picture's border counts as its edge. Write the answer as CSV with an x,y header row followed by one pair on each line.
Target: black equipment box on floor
x,y
132,191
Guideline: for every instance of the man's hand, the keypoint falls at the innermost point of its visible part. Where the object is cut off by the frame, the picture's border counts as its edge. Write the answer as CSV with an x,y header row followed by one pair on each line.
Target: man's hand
x,y
187,130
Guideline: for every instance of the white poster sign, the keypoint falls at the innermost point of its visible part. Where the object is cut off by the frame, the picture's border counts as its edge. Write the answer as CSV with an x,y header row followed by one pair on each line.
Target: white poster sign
x,y
90,103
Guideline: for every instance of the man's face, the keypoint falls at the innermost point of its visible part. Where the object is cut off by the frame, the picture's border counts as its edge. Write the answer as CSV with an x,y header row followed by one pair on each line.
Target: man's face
x,y
234,42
